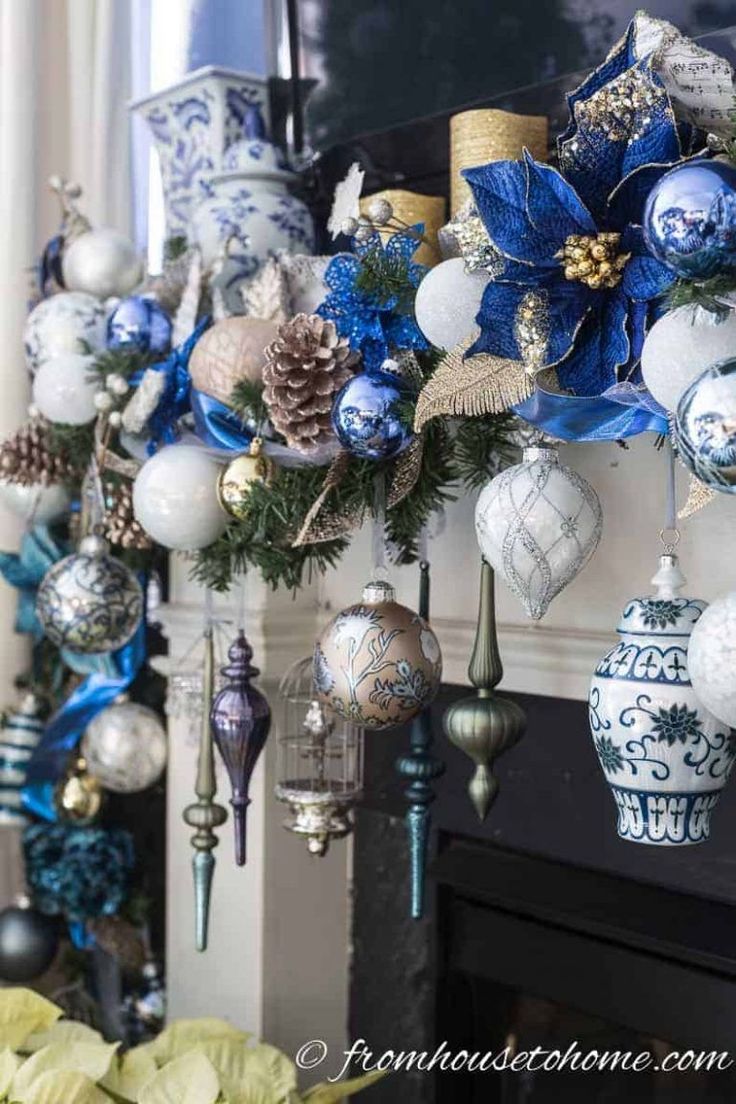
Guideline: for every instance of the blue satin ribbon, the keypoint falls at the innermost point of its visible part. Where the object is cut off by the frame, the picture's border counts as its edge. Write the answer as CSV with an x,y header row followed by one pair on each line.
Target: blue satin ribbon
x,y
217,425
113,675
175,400
621,411
25,570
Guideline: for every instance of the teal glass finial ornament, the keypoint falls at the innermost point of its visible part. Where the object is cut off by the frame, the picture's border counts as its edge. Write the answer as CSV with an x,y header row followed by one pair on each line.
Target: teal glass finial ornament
x,y
484,724
205,814
421,769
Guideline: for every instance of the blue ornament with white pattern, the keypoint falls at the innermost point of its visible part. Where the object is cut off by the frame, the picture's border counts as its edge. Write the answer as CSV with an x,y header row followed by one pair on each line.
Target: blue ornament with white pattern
x,y
368,416
665,757
21,731
139,324
690,219
704,427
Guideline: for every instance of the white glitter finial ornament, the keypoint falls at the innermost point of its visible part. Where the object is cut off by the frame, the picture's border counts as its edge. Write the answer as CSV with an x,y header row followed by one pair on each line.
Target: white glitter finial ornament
x,y
447,302
711,658
538,523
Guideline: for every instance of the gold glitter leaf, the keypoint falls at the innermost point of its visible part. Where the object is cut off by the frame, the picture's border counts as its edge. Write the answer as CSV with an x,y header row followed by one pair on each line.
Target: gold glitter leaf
x,y
698,496
482,384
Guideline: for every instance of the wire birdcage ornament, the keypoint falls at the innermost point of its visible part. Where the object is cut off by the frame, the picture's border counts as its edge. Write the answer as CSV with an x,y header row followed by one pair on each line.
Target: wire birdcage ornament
x,y
320,764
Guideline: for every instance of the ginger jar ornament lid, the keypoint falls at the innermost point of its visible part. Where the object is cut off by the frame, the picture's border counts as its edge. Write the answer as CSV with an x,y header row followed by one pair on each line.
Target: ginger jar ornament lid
x,y
664,613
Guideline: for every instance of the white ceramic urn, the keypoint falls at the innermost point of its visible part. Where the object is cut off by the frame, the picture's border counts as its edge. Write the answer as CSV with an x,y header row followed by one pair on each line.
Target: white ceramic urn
x,y
664,755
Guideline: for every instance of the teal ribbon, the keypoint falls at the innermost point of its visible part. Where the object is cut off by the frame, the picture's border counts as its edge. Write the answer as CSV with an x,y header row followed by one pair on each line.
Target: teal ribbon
x,y
25,570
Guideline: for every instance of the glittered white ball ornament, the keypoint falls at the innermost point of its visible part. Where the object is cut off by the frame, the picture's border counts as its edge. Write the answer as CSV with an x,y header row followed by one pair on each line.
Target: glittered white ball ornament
x,y
711,658
538,523
64,389
90,602
102,262
70,322
447,302
35,502
681,345
175,498
125,747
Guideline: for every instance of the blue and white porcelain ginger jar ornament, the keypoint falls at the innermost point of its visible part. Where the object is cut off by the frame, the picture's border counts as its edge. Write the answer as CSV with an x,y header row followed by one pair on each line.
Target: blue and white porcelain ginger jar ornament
x,y
247,213
664,755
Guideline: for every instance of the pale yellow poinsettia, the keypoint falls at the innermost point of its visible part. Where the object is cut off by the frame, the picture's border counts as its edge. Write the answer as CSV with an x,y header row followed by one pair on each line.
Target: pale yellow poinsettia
x,y
190,1079
180,1036
64,1087
129,1074
91,1059
23,1012
237,1063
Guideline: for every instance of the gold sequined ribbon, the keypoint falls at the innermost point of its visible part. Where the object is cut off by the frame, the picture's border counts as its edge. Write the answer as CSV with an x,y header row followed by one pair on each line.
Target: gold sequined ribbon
x,y
321,523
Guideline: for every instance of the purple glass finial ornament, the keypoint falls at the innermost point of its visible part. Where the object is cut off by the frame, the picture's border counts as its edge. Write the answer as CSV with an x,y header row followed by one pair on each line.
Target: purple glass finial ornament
x,y
240,719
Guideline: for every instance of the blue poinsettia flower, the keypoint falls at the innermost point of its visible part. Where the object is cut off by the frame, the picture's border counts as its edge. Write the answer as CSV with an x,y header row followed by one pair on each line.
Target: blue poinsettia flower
x,y
376,316
579,286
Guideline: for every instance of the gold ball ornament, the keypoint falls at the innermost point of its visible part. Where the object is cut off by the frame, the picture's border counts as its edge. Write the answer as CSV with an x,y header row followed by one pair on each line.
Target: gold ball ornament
x,y
228,352
378,664
236,480
79,795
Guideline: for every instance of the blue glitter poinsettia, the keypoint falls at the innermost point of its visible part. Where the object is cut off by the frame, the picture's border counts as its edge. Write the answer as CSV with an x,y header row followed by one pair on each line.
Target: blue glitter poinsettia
x,y
375,316
579,287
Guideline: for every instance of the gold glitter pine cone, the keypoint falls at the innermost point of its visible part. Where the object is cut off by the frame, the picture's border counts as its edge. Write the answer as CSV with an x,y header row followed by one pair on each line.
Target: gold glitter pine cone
x,y
26,458
305,367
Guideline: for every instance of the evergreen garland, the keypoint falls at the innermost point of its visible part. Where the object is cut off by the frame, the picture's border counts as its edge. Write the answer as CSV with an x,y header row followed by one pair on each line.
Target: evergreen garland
x,y
707,294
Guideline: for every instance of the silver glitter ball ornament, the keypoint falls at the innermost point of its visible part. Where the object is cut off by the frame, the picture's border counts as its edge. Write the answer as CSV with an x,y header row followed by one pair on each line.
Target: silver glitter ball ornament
x,y
380,211
125,747
90,602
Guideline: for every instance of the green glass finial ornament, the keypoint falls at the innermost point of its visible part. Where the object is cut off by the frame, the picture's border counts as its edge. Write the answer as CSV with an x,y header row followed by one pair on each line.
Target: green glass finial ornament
x,y
484,724
205,814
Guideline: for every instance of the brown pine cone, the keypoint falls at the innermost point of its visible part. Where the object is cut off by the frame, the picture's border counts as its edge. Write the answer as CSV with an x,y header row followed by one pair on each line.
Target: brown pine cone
x,y
121,527
26,458
305,366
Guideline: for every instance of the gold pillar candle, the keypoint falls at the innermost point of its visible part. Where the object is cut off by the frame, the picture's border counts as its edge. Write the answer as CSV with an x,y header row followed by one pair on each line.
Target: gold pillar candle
x,y
411,208
487,134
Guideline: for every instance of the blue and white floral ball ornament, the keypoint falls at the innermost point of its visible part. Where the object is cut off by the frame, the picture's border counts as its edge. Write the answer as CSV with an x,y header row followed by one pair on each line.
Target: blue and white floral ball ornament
x,y
705,427
690,219
377,664
665,756
139,324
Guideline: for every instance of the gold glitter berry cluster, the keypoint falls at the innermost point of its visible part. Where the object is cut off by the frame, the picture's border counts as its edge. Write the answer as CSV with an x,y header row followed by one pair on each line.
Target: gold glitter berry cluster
x,y
593,260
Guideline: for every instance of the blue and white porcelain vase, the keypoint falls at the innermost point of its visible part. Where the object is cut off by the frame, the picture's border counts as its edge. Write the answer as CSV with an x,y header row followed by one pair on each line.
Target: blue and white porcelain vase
x,y
664,755
247,213
193,124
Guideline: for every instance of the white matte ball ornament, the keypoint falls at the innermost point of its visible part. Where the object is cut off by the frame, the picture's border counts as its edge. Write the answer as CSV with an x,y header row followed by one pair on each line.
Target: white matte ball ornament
x,y
680,346
63,323
175,498
36,503
102,262
447,302
125,747
64,390
711,658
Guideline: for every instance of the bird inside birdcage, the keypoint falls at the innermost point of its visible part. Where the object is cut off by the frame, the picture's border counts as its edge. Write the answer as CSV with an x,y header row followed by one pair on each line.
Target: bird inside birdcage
x,y
320,763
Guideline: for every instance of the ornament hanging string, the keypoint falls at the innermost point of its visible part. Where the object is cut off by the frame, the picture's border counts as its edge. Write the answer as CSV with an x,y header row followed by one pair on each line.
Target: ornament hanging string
x,y
379,526
670,534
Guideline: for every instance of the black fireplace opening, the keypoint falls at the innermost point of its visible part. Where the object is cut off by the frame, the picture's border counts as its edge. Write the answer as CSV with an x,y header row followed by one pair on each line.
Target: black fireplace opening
x,y
542,929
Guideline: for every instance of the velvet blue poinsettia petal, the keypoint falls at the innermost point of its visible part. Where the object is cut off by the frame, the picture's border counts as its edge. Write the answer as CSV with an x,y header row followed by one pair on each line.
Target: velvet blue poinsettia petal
x,y
646,278
595,164
553,207
496,320
638,323
601,347
619,59
500,193
626,202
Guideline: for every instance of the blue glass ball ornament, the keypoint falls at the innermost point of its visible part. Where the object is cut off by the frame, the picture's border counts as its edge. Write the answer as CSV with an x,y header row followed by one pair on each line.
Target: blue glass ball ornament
x,y
367,415
90,602
139,323
705,427
690,219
